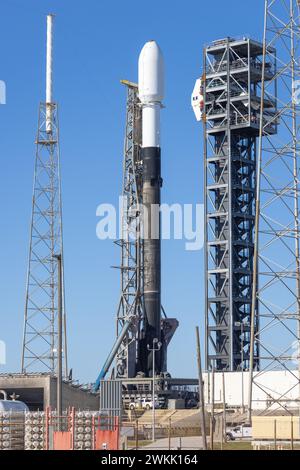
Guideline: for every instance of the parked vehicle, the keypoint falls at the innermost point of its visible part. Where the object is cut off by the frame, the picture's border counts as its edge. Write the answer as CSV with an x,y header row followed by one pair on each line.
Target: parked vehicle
x,y
239,432
144,404
191,403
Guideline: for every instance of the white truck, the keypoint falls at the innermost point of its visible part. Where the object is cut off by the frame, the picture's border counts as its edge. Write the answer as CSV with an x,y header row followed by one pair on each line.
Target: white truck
x,y
143,404
243,431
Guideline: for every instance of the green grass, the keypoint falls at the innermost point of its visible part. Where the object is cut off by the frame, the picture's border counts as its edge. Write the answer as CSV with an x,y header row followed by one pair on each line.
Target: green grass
x,y
132,444
233,446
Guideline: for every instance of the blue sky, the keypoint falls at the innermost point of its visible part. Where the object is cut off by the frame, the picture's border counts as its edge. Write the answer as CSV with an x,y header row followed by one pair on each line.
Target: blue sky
x,y
97,43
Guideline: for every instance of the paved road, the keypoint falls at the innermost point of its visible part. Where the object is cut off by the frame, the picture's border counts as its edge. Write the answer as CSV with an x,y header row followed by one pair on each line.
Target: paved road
x,y
185,443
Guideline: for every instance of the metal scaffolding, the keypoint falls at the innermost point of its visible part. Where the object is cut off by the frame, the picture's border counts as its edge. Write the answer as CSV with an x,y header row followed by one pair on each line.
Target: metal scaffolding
x,y
131,243
231,93
276,254
39,352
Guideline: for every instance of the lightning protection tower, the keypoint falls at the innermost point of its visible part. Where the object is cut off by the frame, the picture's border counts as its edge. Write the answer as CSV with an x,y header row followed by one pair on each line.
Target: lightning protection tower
x,y
276,255
39,352
227,99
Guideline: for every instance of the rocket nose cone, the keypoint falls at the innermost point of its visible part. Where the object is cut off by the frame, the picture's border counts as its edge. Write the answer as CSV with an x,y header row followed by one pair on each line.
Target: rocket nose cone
x,y
149,43
151,73
151,52
152,44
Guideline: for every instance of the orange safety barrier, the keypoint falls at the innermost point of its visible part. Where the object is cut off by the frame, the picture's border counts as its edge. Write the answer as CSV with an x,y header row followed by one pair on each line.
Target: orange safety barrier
x,y
106,439
104,432
62,440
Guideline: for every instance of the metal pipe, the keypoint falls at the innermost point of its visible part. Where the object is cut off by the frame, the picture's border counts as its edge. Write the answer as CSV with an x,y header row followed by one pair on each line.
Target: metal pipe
x,y
59,342
257,225
111,356
296,181
224,407
201,394
212,414
4,394
205,169
242,359
153,395
156,346
49,73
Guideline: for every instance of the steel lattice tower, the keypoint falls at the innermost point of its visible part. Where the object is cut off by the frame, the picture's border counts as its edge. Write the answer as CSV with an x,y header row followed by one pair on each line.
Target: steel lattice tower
x,y
39,352
131,358
231,92
131,243
276,256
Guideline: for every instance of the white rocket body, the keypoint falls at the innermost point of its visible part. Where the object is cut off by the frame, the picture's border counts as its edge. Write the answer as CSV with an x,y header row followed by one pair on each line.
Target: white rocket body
x,y
49,73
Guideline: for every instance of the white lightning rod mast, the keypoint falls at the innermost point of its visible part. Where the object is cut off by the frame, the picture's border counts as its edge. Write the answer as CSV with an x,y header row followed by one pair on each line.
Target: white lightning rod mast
x,y
49,73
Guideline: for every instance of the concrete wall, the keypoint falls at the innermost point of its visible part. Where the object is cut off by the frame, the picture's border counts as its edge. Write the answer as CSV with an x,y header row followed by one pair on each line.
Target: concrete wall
x,y
33,390
72,396
275,427
39,391
282,385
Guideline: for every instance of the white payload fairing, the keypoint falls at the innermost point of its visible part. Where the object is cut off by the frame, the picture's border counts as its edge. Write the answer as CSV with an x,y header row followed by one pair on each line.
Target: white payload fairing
x,y
151,92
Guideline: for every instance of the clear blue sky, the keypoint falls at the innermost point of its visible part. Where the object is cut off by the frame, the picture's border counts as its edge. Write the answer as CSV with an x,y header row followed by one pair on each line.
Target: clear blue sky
x,y
97,43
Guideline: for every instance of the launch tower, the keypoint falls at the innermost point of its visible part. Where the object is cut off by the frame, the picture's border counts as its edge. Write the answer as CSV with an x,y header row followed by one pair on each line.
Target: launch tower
x,y
228,100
